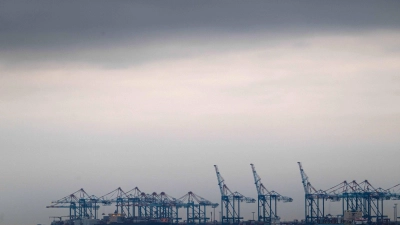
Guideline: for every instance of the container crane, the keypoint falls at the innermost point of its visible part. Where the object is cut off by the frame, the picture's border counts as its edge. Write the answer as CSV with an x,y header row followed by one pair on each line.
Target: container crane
x,y
80,204
168,207
134,200
267,201
313,200
356,197
230,201
365,198
196,207
394,192
119,197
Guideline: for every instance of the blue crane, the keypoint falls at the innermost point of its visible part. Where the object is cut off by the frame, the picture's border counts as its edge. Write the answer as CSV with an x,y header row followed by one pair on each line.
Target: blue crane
x,y
119,197
80,204
196,207
152,206
394,192
372,201
267,201
314,204
168,207
230,201
361,197
134,200
148,206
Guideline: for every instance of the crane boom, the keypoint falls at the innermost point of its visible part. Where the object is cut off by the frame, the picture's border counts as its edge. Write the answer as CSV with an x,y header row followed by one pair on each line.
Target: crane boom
x,y
267,201
304,178
230,201
221,183
257,180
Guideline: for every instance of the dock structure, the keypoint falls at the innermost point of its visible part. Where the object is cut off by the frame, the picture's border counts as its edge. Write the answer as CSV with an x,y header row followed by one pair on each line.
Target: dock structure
x,y
360,203
136,206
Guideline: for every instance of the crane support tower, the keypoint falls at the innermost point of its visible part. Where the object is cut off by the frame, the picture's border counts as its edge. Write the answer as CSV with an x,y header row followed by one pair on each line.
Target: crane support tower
x,y
134,201
196,208
267,201
361,197
119,197
80,204
230,201
314,204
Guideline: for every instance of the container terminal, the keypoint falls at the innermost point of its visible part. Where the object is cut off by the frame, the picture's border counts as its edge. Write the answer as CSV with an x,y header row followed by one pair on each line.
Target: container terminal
x,y
361,203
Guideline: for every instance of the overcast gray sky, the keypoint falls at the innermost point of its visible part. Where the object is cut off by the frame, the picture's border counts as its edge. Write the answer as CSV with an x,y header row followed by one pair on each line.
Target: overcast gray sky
x,y
106,94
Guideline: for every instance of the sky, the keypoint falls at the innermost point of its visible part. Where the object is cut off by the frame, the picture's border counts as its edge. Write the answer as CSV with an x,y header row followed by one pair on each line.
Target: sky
x,y
151,94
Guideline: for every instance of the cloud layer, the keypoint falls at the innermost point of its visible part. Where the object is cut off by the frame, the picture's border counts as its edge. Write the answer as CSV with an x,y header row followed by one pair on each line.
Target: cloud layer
x,y
153,94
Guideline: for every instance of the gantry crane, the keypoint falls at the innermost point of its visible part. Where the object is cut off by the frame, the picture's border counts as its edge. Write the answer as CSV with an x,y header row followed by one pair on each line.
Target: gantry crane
x,y
119,197
394,192
147,206
80,204
361,197
230,201
168,207
137,205
196,208
372,205
134,200
267,201
313,200
155,206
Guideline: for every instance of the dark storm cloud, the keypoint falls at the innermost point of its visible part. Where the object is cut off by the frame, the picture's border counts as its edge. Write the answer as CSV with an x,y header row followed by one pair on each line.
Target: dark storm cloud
x,y
65,24
117,34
